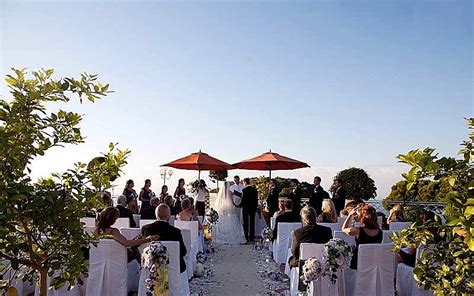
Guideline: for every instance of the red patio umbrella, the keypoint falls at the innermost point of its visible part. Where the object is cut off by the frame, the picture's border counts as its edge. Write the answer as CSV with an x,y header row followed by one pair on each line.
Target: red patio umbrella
x,y
270,161
199,161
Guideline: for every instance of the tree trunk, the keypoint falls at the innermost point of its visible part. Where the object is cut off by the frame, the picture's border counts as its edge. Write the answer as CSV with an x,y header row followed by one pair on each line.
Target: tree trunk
x,y
43,282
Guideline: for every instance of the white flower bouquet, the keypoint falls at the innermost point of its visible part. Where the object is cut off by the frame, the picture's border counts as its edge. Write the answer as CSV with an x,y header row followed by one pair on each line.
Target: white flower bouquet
x,y
337,255
155,258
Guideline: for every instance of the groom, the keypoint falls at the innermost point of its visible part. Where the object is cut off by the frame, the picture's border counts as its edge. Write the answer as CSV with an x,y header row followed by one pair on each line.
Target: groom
x,y
249,206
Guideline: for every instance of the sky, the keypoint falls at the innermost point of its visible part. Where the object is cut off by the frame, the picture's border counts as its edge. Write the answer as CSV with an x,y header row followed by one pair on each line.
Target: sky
x,y
332,83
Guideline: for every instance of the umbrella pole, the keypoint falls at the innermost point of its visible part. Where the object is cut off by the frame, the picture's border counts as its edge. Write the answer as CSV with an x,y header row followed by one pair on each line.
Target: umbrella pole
x,y
199,175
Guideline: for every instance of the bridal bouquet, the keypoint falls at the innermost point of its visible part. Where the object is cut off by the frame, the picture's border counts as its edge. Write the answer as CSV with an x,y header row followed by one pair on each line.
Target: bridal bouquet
x,y
155,258
337,255
212,216
267,234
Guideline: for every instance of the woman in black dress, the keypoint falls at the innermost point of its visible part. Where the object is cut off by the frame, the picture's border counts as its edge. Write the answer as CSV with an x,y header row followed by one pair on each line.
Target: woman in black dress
x,y
368,233
145,195
131,196
179,192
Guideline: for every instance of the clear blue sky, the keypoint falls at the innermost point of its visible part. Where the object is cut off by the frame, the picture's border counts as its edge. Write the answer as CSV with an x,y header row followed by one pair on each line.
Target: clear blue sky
x,y
333,83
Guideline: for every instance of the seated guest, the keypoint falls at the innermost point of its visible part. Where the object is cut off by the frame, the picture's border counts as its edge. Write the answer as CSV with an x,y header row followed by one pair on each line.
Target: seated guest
x,y
288,216
309,233
281,207
107,199
166,232
397,214
368,233
149,213
188,213
164,193
349,206
176,209
125,212
107,218
328,214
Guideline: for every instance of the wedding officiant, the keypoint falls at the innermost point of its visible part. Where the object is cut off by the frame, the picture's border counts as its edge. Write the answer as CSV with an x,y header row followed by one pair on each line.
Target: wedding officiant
x,y
236,190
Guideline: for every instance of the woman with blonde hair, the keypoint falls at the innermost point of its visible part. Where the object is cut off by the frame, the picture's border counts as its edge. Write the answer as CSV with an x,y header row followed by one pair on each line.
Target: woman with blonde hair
x,y
397,214
328,214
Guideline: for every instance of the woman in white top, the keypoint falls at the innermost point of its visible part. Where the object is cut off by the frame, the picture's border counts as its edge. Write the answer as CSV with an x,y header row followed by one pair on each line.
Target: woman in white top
x,y
202,194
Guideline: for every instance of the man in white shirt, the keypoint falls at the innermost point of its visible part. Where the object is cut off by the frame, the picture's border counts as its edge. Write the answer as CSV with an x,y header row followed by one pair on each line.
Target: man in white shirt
x,y
236,189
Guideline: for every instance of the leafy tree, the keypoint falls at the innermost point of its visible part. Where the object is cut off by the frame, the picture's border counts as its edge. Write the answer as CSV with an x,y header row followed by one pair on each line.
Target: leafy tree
x,y
357,183
217,176
448,270
41,234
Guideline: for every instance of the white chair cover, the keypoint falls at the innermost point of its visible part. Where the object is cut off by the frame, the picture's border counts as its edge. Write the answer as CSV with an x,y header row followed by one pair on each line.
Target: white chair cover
x,y
189,259
178,283
260,224
136,218
333,226
345,237
380,221
88,221
171,220
122,222
290,242
130,233
386,237
375,271
397,226
272,222
406,284
193,226
201,219
89,229
107,269
341,220
144,222
280,245
60,292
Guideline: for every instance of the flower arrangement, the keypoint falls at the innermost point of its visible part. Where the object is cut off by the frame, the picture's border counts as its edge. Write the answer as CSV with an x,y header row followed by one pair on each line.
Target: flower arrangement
x,y
155,258
312,270
267,234
212,216
201,257
336,255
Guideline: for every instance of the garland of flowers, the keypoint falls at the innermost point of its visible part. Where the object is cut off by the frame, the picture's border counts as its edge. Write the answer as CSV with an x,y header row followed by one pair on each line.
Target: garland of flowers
x,y
155,258
267,234
212,216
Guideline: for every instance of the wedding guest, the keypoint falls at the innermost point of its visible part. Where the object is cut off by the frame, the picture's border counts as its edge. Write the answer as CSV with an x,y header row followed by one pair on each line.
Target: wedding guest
x,y
106,199
188,213
281,207
328,214
178,193
289,216
131,195
145,195
368,233
164,193
201,197
295,195
170,202
397,214
311,232
166,232
272,199
339,196
124,211
249,208
107,218
317,195
149,213
349,206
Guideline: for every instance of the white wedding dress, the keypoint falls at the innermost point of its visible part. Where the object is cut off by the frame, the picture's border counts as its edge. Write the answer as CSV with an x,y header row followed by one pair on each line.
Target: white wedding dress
x,y
228,229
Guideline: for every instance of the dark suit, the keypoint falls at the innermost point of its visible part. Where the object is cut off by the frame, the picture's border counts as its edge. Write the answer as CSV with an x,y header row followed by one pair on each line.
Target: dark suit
x,y
316,198
249,206
339,199
315,234
126,213
148,213
287,217
272,201
295,196
167,233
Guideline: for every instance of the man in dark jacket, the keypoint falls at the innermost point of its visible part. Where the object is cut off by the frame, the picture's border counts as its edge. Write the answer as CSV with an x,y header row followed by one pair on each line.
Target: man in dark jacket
x,y
124,212
166,232
309,233
272,198
295,195
317,196
339,196
288,216
249,206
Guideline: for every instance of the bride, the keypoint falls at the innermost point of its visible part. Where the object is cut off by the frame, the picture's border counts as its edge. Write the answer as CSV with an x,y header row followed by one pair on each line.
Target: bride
x,y
228,229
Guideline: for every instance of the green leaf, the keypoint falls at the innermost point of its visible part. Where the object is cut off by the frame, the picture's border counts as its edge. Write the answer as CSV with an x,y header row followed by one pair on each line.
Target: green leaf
x,y
469,211
452,181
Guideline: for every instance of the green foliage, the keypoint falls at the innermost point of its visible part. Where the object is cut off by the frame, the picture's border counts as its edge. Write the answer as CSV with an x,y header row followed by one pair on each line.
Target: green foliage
x,y
217,176
261,183
357,183
41,232
448,270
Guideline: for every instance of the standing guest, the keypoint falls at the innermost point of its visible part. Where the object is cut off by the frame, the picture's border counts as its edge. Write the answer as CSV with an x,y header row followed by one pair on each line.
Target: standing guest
x,y
368,233
166,232
149,214
295,195
178,193
249,208
107,218
164,193
397,214
281,207
124,211
131,196
288,217
328,214
309,233
145,195
236,190
201,197
339,196
317,196
272,199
